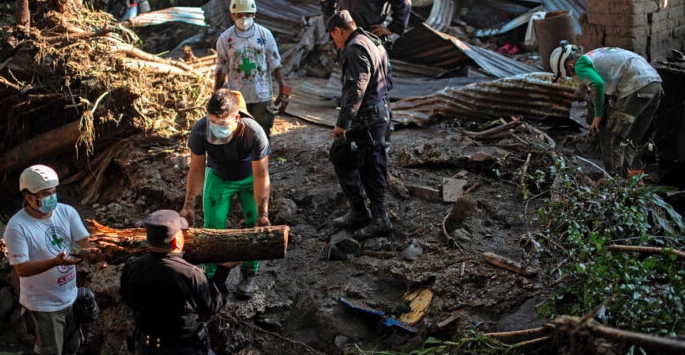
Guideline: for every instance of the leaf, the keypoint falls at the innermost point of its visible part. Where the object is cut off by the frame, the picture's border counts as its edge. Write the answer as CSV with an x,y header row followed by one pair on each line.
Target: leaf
x,y
675,216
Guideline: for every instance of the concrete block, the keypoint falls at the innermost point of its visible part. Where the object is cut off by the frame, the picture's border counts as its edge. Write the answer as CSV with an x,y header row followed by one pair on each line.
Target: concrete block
x,y
424,192
598,6
623,8
617,21
452,189
626,32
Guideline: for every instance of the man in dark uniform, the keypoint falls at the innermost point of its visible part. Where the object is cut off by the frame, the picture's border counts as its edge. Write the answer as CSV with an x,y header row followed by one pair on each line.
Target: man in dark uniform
x,y
358,153
170,297
370,15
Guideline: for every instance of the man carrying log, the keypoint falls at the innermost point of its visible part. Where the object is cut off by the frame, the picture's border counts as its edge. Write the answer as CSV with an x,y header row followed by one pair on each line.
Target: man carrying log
x,y
170,297
229,155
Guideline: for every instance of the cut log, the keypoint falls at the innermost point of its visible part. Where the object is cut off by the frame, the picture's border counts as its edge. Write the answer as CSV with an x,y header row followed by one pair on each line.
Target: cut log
x,y
201,245
59,140
509,264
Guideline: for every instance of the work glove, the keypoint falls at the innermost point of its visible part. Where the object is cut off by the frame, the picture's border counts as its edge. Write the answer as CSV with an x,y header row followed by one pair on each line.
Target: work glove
x,y
283,98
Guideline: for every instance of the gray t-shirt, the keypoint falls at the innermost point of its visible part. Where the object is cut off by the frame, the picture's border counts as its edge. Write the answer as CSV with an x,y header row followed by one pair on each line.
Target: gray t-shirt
x,y
232,161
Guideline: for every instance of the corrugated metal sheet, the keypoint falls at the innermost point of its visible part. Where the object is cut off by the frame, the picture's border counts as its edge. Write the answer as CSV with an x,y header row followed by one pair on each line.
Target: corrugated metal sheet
x,y
531,95
191,15
431,47
316,100
283,17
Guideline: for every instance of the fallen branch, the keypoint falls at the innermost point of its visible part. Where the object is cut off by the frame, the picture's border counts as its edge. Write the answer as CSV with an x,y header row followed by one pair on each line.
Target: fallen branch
x,y
525,170
517,332
650,250
591,329
494,132
508,264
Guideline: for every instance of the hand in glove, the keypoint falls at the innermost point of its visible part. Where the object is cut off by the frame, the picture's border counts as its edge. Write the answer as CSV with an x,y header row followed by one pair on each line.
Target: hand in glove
x,y
282,100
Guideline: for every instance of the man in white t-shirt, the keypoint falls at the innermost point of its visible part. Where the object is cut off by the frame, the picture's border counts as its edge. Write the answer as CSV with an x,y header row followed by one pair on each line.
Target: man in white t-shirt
x,y
39,238
247,56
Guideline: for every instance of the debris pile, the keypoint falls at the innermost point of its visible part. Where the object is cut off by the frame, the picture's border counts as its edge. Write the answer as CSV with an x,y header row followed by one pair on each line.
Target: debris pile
x,y
77,82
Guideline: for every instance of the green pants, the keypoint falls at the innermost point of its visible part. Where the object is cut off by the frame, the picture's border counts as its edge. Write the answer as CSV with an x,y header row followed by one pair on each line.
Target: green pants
x,y
624,128
216,203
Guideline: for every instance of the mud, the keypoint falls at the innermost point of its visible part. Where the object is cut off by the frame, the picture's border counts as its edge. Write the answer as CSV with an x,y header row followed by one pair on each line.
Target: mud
x,y
297,306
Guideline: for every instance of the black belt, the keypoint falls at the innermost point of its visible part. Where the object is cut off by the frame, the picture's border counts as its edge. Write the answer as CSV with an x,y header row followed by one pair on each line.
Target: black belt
x,y
372,107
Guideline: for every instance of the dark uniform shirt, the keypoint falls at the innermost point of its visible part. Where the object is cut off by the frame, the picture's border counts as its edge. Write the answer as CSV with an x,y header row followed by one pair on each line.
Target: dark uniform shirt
x,y
366,13
365,76
170,297
232,161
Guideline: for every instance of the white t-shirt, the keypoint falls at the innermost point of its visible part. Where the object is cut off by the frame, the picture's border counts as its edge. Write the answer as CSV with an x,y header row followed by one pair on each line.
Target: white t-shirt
x,y
248,58
31,239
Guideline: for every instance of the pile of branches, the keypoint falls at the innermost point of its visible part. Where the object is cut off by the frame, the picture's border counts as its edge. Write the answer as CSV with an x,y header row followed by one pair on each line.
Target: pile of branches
x,y
76,83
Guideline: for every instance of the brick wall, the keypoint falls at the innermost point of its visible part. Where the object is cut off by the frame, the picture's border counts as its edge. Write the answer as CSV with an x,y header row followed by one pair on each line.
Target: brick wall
x,y
648,27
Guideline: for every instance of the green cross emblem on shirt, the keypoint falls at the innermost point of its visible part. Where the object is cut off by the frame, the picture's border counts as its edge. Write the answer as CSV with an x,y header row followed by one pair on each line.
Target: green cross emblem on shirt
x,y
57,241
247,66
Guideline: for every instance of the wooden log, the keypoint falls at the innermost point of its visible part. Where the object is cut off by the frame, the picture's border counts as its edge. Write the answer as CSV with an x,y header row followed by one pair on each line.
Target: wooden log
x,y
57,141
201,245
508,264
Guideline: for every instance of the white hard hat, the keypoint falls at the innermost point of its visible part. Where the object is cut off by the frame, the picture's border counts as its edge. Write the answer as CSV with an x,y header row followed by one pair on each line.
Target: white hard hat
x,y
243,6
560,55
37,178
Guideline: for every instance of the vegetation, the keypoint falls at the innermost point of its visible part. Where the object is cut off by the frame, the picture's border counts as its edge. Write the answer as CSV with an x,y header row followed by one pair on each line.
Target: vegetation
x,y
636,291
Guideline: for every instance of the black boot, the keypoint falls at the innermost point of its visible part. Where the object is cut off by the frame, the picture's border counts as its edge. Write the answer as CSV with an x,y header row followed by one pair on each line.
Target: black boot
x,y
220,277
358,216
380,224
246,285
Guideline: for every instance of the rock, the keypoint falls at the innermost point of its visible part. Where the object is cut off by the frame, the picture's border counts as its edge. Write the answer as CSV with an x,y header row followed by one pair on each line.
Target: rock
x,y
342,246
284,211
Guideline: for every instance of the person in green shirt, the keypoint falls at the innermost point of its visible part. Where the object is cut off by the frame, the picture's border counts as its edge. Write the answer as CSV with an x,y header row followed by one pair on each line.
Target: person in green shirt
x,y
630,86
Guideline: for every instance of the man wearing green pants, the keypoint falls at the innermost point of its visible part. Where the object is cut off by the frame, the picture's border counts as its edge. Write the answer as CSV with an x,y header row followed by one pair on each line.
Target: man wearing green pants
x,y
229,155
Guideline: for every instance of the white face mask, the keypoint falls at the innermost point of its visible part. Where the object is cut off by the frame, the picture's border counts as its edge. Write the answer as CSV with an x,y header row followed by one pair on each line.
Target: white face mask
x,y
244,23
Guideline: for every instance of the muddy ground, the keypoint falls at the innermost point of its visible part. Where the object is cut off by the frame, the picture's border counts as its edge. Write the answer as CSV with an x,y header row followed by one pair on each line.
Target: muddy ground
x,y
297,307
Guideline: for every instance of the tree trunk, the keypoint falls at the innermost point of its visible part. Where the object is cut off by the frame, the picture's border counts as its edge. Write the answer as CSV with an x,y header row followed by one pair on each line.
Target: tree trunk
x,y
201,245
23,15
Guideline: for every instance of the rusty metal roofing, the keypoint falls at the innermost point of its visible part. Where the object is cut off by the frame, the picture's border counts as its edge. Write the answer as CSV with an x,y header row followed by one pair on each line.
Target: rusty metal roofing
x,y
531,95
422,44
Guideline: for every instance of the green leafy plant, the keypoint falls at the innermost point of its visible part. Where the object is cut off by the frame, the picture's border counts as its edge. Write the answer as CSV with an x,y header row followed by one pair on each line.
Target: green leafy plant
x,y
641,292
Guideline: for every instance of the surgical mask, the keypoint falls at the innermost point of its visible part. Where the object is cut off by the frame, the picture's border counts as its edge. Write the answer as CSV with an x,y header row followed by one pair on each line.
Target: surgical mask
x,y
219,131
244,23
218,134
48,203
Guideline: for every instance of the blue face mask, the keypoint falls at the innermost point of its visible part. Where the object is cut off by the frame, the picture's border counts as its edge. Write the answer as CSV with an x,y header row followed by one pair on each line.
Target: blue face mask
x,y
48,203
219,131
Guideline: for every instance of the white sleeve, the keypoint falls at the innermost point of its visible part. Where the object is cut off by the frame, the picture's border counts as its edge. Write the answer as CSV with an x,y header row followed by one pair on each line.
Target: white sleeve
x,y
17,244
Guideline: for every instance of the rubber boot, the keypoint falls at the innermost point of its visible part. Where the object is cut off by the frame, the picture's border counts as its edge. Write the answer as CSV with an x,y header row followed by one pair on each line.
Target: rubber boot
x,y
380,224
358,216
220,277
246,285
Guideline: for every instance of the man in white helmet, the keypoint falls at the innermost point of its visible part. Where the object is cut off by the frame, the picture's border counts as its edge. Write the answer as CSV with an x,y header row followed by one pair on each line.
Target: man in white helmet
x,y
39,238
614,74
247,56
